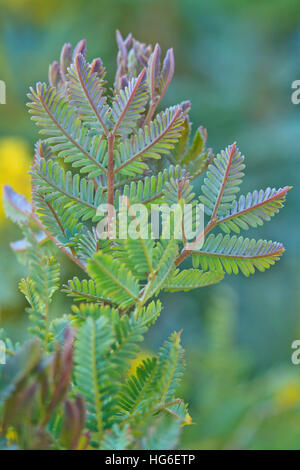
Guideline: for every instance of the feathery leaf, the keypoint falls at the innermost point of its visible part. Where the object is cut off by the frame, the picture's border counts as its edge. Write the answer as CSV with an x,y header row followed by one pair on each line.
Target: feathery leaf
x,y
191,279
224,176
151,141
253,209
116,281
129,104
85,93
68,138
231,254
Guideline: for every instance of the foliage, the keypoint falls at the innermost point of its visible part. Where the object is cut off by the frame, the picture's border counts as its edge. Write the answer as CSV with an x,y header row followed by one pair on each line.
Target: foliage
x,y
97,145
235,408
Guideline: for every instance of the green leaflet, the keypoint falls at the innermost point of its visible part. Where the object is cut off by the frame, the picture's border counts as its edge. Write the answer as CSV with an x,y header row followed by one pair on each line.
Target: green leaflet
x,y
93,341
56,219
129,104
151,141
65,134
253,209
77,195
114,278
39,287
234,254
151,188
139,253
85,289
191,279
154,383
134,396
85,92
197,146
164,257
170,367
195,159
222,181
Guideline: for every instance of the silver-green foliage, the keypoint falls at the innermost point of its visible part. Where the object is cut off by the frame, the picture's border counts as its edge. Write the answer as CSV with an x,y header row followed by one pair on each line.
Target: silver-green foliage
x,y
98,144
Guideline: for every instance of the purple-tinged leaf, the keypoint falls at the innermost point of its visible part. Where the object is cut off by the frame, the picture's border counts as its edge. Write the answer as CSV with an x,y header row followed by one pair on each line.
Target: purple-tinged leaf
x,y
65,59
167,72
16,206
80,48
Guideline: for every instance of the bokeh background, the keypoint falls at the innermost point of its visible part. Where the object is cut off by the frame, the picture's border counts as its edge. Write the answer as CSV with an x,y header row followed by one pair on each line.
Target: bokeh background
x,y
236,60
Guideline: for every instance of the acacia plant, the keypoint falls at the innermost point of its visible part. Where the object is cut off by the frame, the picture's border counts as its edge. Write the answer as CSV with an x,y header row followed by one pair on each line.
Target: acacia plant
x,y
70,387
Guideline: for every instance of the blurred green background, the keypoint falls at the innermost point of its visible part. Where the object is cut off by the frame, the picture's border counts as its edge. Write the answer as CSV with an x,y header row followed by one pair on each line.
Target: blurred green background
x,y
236,60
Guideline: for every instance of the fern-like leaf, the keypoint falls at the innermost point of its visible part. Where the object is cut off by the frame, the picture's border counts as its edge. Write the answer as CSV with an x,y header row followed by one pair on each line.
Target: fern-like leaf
x,y
55,218
85,93
116,281
138,255
224,176
133,396
151,188
170,368
253,209
163,264
77,195
85,289
154,383
151,141
38,290
128,333
233,254
92,345
191,279
129,104
68,138
40,286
